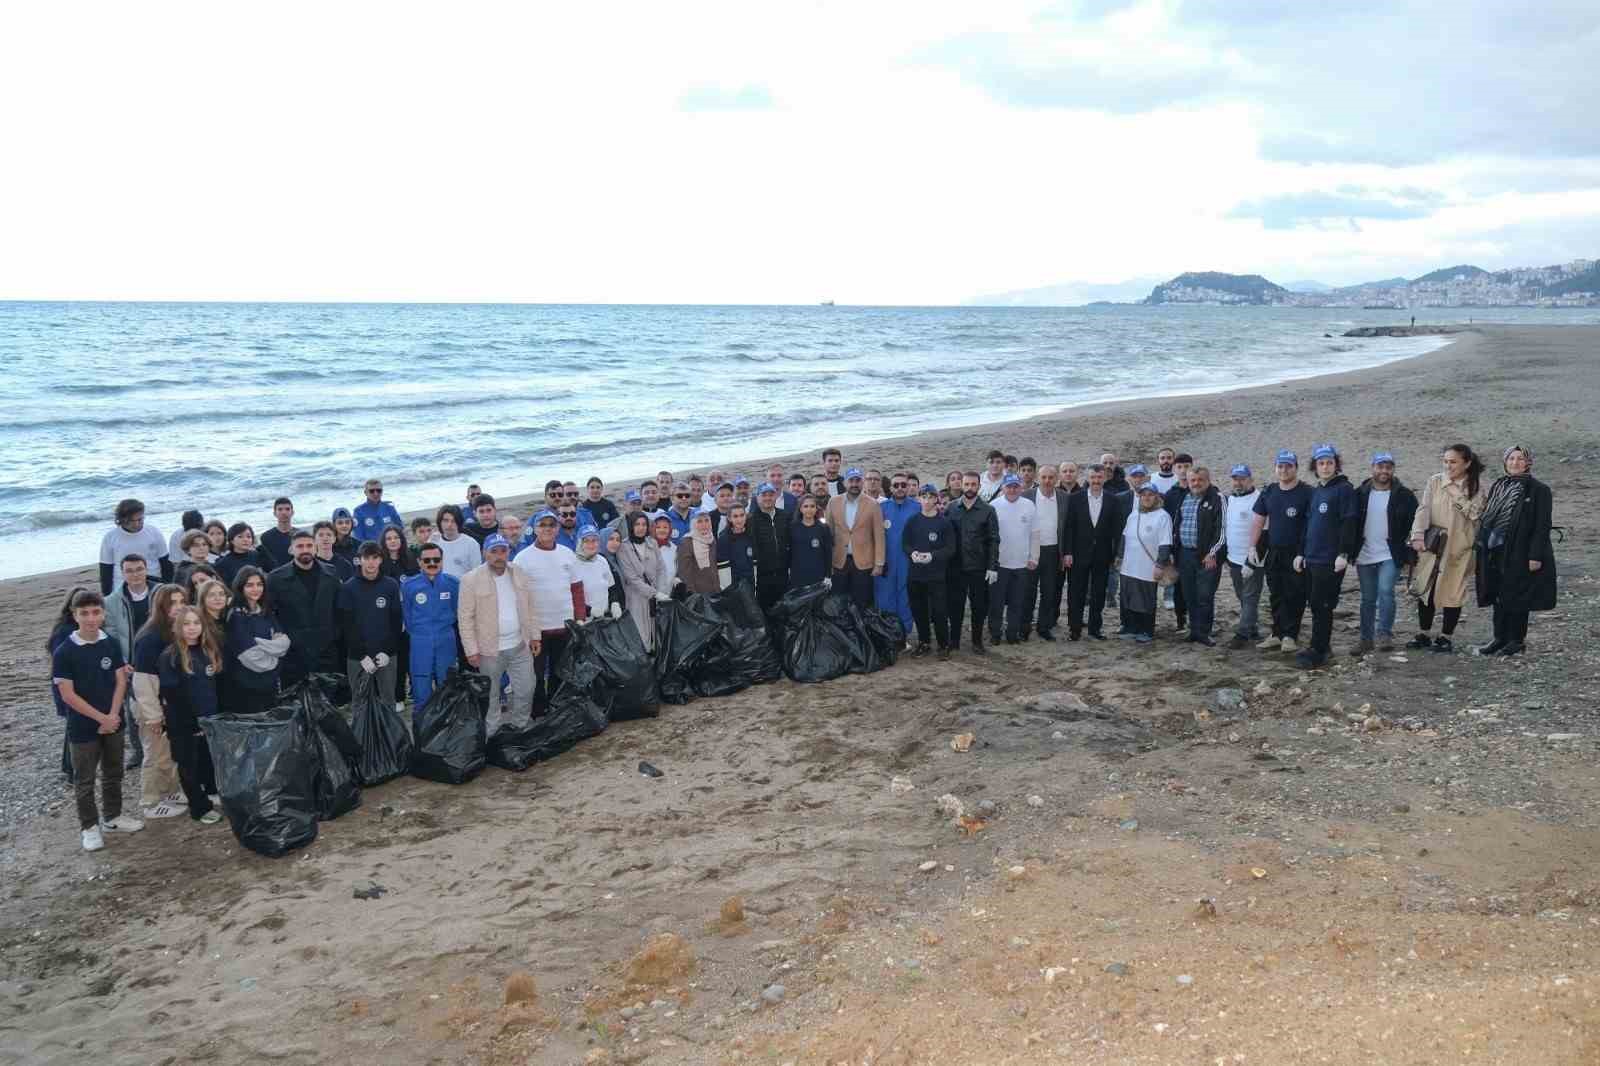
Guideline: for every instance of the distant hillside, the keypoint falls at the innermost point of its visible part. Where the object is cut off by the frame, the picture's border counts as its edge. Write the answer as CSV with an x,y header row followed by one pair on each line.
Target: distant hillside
x,y
1210,287
1588,281
1450,273
1312,287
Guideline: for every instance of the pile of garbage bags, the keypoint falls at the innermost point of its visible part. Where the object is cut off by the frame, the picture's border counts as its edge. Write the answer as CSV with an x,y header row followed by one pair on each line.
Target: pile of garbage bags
x,y
827,636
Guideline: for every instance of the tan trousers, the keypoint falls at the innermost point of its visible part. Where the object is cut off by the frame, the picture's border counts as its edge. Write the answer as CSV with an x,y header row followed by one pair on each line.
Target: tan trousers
x,y
159,775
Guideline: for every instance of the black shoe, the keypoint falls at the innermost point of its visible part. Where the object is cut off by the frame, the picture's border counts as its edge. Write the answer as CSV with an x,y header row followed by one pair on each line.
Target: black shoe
x,y
1513,648
1310,660
921,650
1421,640
978,648
1076,634
1095,634
1183,623
1238,643
1045,634
1493,647
135,762
944,655
1442,644
1025,634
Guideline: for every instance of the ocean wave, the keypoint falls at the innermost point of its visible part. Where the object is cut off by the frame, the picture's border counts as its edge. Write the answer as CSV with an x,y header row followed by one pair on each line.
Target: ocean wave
x,y
37,520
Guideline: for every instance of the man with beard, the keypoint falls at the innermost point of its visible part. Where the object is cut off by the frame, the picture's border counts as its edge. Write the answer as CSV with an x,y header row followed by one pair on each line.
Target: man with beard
x,y
304,594
975,565
890,591
832,459
1044,586
1089,549
1238,522
1166,474
1385,508
858,546
1198,537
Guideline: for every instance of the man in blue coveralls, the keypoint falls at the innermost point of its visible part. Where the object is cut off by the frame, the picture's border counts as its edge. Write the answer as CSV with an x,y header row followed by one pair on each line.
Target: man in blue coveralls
x,y
889,591
428,601
375,513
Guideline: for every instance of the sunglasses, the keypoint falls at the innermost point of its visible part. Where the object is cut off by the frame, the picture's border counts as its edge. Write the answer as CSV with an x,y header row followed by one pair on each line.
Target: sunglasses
x,y
430,561
374,492
680,495
568,514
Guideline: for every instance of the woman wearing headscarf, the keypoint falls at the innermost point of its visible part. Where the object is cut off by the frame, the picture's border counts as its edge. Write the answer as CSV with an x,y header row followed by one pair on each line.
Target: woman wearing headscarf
x,y
1516,565
697,556
1452,502
644,579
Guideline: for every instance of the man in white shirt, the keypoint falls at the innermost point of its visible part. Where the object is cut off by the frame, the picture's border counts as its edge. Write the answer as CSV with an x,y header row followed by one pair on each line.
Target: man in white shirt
x,y
462,553
1387,508
495,617
1019,558
1166,474
993,474
558,597
1044,583
1238,523
130,536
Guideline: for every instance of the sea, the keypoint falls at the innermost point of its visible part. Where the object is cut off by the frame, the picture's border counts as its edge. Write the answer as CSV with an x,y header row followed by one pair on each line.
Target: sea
x,y
224,406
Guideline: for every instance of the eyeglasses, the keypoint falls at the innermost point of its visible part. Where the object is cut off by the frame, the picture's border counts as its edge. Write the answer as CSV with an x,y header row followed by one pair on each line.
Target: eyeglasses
x,y
568,514
430,561
680,495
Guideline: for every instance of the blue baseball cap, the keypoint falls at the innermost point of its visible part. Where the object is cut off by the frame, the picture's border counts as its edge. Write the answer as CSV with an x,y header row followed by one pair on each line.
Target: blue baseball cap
x,y
1383,457
542,515
740,480
930,489
1239,470
1010,479
1150,486
1286,456
495,540
341,512
1138,470
588,531
632,496
766,487
854,471
1324,451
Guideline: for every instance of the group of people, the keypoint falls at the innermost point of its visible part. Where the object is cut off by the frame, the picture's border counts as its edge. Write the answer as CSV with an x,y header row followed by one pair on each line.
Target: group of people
x,y
216,618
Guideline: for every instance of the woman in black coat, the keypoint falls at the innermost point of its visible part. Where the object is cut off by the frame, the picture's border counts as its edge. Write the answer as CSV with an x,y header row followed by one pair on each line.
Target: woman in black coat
x,y
1516,565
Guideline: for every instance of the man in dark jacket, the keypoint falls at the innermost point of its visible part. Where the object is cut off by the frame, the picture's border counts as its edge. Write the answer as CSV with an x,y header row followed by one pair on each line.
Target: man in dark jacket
x,y
1169,503
1197,537
1384,507
1332,538
304,592
368,608
769,532
1050,502
976,564
1089,548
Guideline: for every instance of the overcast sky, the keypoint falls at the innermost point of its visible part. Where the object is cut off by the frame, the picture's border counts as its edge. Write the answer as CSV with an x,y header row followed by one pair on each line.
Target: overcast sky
x,y
784,152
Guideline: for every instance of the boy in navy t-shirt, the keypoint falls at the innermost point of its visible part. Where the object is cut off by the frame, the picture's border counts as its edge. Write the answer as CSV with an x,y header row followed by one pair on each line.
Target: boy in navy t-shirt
x,y
91,678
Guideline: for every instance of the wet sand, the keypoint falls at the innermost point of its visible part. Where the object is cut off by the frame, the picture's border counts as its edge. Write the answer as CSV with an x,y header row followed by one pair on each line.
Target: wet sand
x,y
1398,859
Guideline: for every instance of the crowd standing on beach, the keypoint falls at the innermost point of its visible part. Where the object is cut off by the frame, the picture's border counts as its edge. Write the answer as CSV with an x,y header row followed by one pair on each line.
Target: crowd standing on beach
x,y
218,619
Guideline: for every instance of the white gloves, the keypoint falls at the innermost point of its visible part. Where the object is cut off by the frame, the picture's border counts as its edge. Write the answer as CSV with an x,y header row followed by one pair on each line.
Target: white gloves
x,y
922,557
1299,564
663,597
991,576
368,665
827,583
1339,564
1247,571
616,610
1254,558
382,659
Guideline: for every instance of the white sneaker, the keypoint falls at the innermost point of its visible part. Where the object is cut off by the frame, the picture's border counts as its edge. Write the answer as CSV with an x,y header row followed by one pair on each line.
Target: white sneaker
x,y
92,840
210,818
1290,644
1270,644
174,799
216,800
163,809
123,823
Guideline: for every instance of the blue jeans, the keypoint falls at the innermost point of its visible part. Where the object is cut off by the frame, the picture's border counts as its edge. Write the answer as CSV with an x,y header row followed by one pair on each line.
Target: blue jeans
x,y
1199,590
1377,597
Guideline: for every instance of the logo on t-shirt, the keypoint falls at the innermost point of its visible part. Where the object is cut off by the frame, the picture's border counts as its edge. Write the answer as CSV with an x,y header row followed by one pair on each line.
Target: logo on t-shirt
x,y
815,543
381,602
422,597
933,538
888,523
210,670
105,664
1292,511
367,520
1322,508
749,552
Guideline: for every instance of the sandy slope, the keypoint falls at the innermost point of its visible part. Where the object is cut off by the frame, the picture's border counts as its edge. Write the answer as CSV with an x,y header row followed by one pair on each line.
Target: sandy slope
x,y
1429,893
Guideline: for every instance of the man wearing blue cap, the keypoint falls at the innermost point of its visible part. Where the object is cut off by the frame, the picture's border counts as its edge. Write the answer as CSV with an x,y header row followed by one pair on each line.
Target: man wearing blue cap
x,y
1238,523
1385,509
498,633
1018,523
1280,512
1332,538
889,592
858,546
769,535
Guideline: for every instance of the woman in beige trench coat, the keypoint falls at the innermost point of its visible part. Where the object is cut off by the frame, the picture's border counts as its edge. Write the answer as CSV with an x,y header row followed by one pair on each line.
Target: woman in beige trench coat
x,y
1452,501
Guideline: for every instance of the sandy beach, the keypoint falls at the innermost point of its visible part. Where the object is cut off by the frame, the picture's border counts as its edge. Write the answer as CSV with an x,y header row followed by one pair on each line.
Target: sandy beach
x,y
1394,860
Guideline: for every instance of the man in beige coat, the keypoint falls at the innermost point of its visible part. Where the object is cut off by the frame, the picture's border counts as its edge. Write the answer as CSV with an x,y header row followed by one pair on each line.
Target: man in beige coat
x,y
858,545
498,629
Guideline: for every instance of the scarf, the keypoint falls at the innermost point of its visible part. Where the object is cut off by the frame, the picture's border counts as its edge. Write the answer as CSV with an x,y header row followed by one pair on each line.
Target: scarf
x,y
704,545
628,524
1504,498
585,556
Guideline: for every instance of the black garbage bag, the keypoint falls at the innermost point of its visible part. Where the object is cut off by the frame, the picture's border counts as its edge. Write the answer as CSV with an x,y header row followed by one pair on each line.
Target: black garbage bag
x,y
334,685
381,734
333,746
451,745
741,654
815,646
573,715
887,633
266,770
847,617
683,629
624,678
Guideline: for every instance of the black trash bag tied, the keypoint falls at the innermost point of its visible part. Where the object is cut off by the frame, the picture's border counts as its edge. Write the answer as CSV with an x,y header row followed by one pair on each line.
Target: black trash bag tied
x,y
741,654
607,658
381,733
573,715
334,747
266,767
824,636
451,745
683,630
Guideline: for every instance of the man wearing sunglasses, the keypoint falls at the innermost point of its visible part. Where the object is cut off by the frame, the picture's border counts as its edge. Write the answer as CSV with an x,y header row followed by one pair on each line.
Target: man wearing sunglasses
x,y
428,603
678,512
889,591
567,531
374,514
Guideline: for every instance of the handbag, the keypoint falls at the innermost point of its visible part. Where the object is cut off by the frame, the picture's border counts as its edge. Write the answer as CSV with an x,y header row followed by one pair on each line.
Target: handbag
x,y
1166,576
1434,538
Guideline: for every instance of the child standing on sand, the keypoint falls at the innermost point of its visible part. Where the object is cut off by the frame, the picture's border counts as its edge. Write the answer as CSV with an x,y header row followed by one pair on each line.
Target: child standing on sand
x,y
92,678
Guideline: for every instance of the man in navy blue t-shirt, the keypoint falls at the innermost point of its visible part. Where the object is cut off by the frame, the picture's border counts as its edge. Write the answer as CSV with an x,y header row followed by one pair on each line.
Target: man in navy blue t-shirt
x,y
1281,509
91,677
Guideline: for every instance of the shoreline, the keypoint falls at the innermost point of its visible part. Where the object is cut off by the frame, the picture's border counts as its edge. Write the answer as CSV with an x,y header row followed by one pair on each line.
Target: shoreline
x,y
917,439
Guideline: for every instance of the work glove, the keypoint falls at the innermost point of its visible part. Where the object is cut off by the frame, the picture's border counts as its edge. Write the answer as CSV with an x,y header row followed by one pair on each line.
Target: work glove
x,y
663,597
1299,564
1339,564
991,576
382,659
827,583
1253,559
616,610
1247,571
368,665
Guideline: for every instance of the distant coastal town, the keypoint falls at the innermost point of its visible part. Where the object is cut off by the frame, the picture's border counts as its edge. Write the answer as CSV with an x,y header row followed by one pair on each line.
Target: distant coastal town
x,y
1571,284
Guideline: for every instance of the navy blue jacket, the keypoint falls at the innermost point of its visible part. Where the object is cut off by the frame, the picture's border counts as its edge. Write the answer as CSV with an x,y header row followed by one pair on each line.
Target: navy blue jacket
x,y
810,553
243,628
1333,527
923,534
369,616
739,552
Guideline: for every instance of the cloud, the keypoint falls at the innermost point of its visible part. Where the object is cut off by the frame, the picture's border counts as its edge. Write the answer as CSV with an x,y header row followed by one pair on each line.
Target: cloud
x,y
1393,83
1351,202
722,98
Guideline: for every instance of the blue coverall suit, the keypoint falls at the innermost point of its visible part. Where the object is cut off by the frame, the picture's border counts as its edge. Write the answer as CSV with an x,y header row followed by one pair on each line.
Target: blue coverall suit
x,y
889,591
371,519
430,614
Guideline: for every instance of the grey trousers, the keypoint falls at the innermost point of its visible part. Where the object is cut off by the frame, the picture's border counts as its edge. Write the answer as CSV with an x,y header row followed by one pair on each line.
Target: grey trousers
x,y
516,663
1249,592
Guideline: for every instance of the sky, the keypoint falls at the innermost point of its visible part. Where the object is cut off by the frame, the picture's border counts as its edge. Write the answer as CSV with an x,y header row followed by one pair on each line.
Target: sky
x,y
755,152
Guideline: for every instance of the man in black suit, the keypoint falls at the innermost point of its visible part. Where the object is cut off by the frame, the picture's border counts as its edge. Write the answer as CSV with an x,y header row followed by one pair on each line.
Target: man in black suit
x,y
1089,550
1044,587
